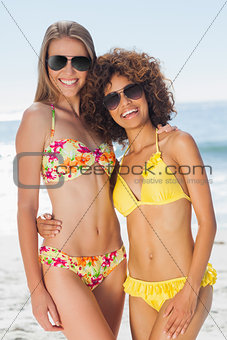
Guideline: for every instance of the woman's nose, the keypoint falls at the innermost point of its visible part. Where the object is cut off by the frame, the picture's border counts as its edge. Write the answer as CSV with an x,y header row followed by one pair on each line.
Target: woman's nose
x,y
68,67
124,99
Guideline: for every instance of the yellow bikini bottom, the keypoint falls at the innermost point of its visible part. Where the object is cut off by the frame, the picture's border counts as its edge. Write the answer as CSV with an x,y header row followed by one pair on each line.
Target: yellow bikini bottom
x,y
156,293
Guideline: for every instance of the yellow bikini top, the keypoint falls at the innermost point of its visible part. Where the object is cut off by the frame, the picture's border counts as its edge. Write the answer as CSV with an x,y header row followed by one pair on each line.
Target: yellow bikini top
x,y
159,186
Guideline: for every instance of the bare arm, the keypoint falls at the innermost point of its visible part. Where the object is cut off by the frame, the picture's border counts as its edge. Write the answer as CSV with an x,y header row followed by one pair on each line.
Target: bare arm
x,y
183,305
30,138
199,192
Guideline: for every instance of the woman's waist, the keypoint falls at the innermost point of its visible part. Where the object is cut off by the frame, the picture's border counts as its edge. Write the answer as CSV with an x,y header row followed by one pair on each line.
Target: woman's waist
x,y
73,206
210,277
87,216
160,263
86,242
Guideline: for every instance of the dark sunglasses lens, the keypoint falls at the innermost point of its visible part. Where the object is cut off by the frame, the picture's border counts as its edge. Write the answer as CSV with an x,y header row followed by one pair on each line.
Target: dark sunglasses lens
x,y
111,101
133,91
57,62
81,63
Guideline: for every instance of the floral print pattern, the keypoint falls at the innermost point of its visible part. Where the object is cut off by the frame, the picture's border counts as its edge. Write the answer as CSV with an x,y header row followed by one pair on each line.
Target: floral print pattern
x,y
77,159
91,269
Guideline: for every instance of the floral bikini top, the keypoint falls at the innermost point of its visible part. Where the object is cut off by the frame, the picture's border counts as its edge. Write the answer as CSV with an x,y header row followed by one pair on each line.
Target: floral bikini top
x,y
69,158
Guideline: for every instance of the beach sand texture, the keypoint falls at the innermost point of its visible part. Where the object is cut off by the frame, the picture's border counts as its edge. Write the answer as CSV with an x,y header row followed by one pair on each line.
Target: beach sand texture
x,y
23,326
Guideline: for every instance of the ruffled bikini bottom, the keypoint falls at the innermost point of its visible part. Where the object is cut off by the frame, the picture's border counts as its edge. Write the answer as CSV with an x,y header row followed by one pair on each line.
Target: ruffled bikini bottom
x,y
156,293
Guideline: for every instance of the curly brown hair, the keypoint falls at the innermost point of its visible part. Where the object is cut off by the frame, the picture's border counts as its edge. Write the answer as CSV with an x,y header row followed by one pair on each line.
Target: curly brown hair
x,y
139,68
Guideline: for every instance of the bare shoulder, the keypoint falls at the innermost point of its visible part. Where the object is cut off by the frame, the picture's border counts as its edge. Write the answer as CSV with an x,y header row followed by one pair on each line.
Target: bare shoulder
x,y
35,125
183,140
38,112
182,146
179,139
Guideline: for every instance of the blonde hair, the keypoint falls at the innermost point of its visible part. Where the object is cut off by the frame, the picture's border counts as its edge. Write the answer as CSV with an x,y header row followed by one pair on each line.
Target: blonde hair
x,y
46,92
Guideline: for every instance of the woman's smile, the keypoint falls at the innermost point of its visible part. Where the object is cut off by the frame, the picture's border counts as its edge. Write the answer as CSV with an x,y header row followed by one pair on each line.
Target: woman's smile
x,y
68,82
131,113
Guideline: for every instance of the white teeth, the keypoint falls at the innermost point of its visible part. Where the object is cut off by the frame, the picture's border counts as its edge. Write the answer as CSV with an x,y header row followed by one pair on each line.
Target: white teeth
x,y
68,82
128,112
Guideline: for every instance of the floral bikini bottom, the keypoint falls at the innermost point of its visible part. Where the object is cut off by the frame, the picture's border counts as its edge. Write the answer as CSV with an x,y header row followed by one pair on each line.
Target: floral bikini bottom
x,y
91,269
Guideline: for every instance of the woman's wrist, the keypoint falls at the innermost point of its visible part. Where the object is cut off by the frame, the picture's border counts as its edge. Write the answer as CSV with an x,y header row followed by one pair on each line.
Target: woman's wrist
x,y
38,287
192,287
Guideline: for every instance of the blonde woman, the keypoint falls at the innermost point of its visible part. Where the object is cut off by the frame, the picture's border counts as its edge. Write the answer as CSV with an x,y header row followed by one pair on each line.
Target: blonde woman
x,y
84,266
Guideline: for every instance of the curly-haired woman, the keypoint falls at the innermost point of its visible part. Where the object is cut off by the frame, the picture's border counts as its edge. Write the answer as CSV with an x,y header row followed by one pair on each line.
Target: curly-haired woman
x,y
160,178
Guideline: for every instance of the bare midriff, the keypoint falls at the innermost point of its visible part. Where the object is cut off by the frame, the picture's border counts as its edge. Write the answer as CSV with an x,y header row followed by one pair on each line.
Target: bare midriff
x,y
161,243
89,222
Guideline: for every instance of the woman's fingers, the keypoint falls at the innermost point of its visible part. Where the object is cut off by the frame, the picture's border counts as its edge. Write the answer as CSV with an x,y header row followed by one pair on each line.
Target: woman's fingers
x,y
48,221
45,323
168,310
47,216
48,227
41,315
184,328
42,307
49,230
55,316
166,128
169,325
179,329
173,328
177,325
49,234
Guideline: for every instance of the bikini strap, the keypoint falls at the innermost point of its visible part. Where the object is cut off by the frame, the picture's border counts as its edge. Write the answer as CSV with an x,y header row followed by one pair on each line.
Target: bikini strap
x,y
53,123
125,153
157,148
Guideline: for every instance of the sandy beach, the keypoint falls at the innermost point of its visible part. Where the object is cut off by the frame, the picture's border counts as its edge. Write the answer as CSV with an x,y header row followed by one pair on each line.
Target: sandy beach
x,y
15,307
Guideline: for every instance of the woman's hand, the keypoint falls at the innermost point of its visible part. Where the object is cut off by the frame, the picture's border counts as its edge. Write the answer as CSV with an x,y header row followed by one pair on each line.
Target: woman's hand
x,y
47,227
42,303
180,312
166,128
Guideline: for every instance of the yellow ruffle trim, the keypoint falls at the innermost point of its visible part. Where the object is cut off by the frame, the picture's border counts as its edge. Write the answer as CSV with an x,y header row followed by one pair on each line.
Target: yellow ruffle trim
x,y
156,293
154,159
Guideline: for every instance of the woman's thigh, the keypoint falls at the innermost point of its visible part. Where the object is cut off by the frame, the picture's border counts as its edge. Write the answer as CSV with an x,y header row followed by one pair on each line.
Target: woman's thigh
x,y
201,312
79,311
110,296
142,318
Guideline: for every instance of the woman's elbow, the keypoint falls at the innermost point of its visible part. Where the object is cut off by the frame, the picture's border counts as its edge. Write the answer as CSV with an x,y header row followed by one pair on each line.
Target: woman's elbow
x,y
27,208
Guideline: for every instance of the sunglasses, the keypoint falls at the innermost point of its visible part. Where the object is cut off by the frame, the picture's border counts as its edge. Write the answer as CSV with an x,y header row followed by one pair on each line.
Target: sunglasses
x,y
57,62
131,91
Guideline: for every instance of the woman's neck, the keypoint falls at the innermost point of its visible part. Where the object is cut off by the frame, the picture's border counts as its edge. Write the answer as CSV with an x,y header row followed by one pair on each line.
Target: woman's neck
x,y
141,137
70,104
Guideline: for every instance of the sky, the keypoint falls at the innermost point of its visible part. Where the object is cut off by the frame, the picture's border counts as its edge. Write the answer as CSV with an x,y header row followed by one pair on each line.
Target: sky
x,y
167,30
